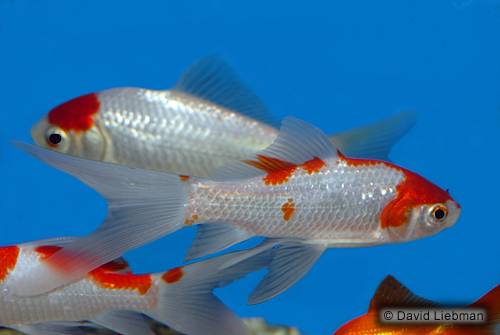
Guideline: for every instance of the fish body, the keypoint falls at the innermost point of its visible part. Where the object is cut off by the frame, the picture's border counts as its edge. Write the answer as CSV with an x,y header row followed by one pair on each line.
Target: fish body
x,y
300,193
112,297
392,293
209,118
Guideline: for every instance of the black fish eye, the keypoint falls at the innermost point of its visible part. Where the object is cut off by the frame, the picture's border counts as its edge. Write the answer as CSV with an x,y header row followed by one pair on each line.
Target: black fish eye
x,y
55,138
439,213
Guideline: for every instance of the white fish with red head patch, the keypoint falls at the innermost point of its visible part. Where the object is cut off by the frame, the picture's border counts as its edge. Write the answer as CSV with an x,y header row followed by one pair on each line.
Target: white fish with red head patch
x,y
112,297
209,118
301,193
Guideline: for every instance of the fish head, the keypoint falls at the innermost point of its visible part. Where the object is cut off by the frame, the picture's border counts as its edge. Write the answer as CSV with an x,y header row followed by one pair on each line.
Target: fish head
x,y
71,128
420,209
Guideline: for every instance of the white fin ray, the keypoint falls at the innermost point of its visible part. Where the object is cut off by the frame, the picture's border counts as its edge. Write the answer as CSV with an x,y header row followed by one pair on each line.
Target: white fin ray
x,y
214,80
296,143
374,141
57,241
51,328
144,205
291,262
189,306
214,237
123,322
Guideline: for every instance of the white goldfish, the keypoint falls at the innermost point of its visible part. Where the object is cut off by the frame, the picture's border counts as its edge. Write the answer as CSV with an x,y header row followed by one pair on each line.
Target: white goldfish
x,y
209,118
112,297
301,193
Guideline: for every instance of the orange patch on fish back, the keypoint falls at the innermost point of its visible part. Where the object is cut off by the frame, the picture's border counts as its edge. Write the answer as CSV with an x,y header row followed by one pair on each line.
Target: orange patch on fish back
x,y
118,281
288,209
278,171
183,177
314,165
8,260
173,275
75,114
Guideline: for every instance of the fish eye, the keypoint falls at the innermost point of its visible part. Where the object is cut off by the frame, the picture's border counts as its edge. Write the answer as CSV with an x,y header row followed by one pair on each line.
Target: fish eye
x,y
54,136
439,213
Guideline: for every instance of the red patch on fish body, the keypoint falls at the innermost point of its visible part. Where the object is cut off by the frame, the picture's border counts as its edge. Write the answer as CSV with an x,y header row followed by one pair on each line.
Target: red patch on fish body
x,y
288,209
412,192
46,251
116,281
8,260
183,177
75,114
314,165
173,275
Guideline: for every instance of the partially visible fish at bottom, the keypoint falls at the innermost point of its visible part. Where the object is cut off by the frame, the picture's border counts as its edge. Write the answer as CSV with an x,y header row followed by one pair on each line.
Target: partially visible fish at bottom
x,y
112,297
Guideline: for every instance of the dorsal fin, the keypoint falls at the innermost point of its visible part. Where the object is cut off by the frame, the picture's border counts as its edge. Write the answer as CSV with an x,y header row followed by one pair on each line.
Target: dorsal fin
x,y
391,293
297,143
212,79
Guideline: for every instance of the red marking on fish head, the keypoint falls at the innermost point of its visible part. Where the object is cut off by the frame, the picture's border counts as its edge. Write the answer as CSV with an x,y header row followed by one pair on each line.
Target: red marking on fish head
x,y
173,275
288,209
314,165
278,171
8,260
75,114
183,177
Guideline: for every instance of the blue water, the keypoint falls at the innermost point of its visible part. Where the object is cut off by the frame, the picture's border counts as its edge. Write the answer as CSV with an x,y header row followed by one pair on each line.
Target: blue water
x,y
335,64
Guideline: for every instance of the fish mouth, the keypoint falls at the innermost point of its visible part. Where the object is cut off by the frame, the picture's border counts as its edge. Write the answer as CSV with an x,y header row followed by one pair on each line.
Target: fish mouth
x,y
37,132
454,210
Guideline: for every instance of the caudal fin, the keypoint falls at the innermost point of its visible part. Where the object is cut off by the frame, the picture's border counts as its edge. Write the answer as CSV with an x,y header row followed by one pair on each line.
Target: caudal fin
x,y
144,205
491,302
186,301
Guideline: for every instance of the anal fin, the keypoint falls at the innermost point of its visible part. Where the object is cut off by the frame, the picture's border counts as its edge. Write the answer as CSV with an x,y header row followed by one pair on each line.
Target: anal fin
x,y
291,262
123,322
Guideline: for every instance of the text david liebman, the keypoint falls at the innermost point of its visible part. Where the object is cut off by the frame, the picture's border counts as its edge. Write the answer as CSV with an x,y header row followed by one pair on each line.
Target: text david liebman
x,y
433,315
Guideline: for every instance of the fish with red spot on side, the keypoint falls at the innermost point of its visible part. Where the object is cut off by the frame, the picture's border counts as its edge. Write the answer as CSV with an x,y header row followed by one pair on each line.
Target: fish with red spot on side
x,y
209,118
301,193
110,296
392,294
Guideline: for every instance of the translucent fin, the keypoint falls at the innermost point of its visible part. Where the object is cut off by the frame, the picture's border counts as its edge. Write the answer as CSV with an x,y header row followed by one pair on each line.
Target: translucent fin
x,y
391,293
123,322
57,241
296,143
266,245
214,237
51,328
375,140
291,262
212,79
187,304
144,205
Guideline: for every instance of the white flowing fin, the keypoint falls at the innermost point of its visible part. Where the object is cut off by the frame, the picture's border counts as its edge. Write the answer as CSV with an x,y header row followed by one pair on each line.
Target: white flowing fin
x,y
296,143
292,260
144,205
214,237
51,328
56,241
187,304
374,141
214,80
267,244
123,322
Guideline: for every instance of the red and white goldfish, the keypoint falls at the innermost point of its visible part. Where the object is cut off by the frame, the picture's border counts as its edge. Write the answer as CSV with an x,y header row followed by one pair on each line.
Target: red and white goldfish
x,y
111,297
300,193
391,293
209,118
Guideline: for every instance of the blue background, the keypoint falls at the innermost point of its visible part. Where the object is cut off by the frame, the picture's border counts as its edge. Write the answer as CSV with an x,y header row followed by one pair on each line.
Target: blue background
x,y
335,64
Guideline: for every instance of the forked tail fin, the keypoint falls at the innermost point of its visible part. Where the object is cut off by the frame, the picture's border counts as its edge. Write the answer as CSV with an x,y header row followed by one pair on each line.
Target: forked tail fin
x,y
144,205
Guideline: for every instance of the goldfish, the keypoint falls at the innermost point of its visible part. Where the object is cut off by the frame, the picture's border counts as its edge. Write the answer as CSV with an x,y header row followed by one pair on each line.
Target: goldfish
x,y
391,293
301,193
209,118
110,296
